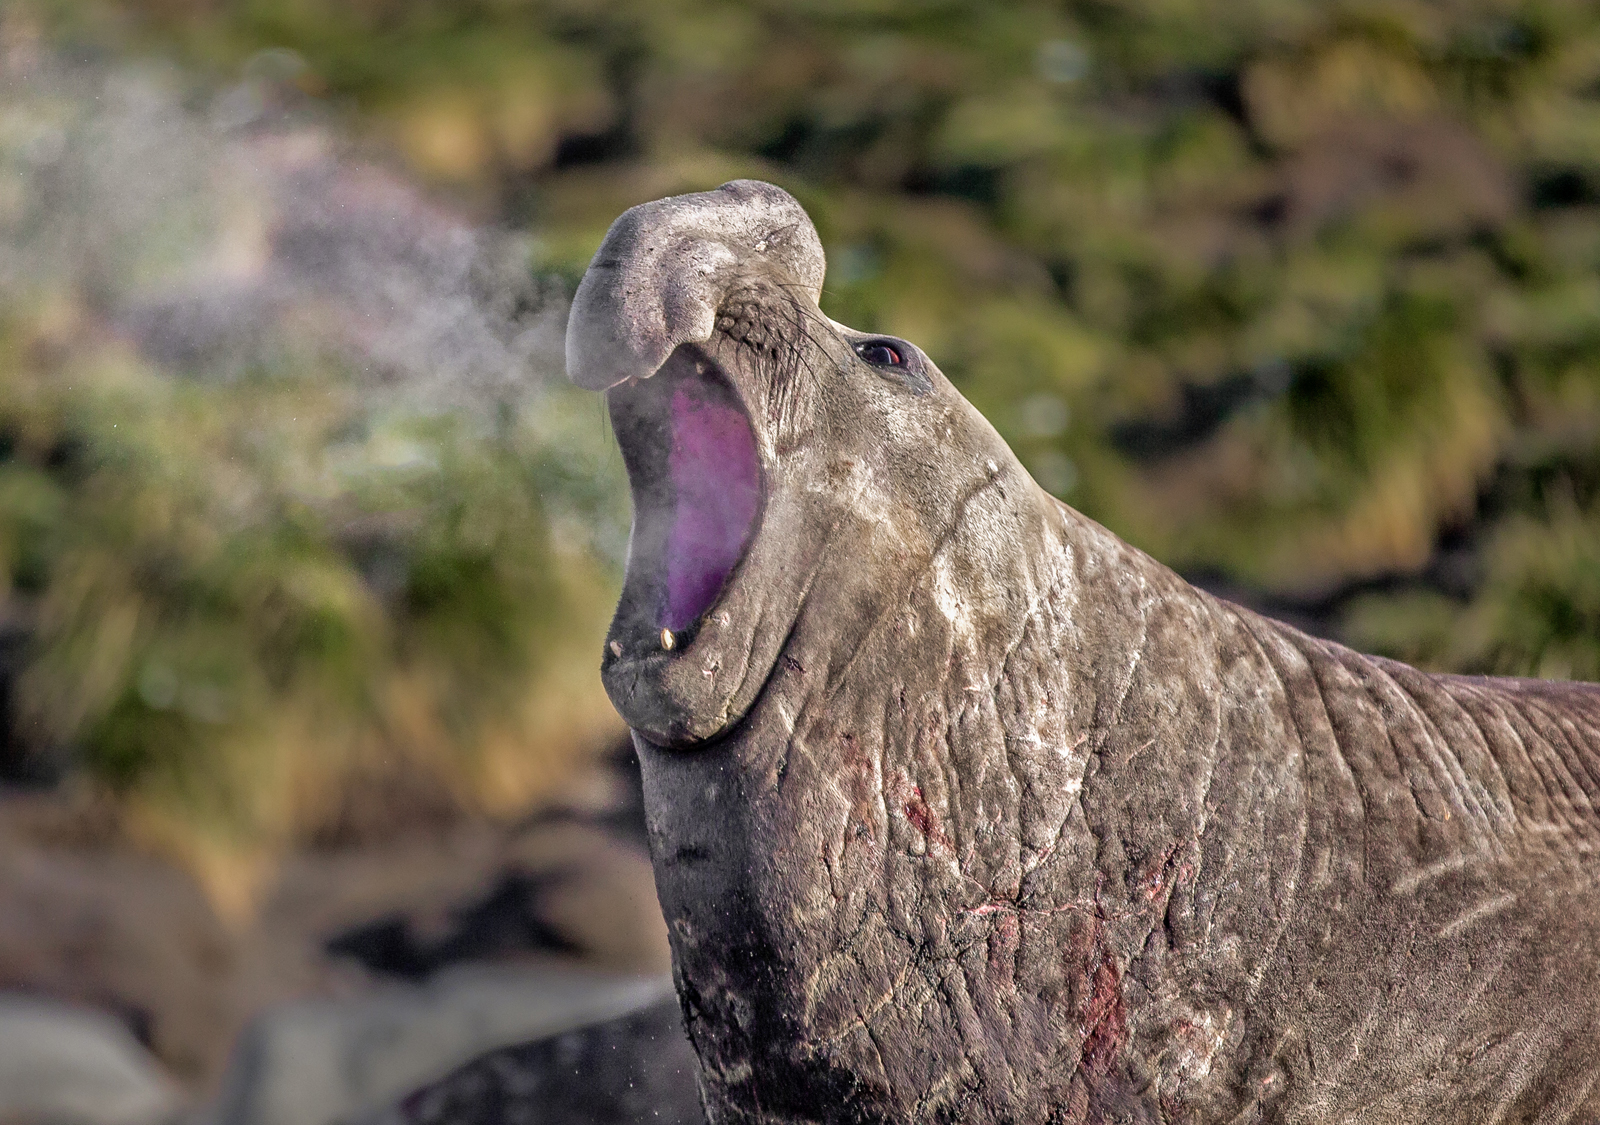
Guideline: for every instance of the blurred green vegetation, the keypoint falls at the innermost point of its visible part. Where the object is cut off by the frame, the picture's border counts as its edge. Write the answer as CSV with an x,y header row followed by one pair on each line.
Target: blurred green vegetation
x,y
246,600
1305,296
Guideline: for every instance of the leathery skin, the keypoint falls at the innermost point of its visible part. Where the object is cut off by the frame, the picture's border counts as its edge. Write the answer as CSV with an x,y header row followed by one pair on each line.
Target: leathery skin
x,y
963,810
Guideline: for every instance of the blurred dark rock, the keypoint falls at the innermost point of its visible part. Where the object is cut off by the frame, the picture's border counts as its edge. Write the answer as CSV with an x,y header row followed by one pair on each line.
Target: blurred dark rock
x,y
88,920
574,879
616,805
89,917
507,920
25,763
324,1061
474,956
630,1071
590,895
62,1065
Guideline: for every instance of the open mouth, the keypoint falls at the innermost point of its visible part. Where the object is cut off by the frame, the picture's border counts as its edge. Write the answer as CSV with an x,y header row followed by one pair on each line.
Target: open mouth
x,y
697,487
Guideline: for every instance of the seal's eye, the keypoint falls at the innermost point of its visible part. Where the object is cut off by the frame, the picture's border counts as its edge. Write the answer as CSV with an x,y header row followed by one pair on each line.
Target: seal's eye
x,y
897,362
881,353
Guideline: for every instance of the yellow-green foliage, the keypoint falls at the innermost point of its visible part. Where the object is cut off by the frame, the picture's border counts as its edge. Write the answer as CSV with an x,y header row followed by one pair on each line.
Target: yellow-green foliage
x,y
245,596
1351,233
1535,613
1285,290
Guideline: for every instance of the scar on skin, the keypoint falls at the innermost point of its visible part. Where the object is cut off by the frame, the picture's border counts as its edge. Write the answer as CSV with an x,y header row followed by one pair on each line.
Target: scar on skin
x,y
1477,913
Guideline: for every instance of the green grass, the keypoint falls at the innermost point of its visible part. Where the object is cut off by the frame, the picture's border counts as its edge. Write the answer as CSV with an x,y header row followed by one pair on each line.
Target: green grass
x,y
1292,292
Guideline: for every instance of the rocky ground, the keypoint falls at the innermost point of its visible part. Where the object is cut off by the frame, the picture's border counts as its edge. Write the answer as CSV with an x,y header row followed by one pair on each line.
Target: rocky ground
x,y
379,963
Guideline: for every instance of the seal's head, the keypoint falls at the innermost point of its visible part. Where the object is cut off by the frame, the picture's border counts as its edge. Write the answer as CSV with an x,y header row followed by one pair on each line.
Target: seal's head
x,y
769,449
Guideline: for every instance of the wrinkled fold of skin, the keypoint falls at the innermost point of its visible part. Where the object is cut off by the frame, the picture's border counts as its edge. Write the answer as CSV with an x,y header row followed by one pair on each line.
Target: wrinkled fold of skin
x,y
962,810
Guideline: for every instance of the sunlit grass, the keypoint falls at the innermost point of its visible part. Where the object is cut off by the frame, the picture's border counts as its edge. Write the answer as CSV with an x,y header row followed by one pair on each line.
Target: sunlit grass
x,y
245,596
1282,291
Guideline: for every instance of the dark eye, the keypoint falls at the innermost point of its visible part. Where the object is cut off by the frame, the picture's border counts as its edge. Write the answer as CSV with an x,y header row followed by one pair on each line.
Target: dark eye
x,y
880,353
897,362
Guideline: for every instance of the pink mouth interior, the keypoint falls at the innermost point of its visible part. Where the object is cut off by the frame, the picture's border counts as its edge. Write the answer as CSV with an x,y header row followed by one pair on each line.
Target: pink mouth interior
x,y
716,481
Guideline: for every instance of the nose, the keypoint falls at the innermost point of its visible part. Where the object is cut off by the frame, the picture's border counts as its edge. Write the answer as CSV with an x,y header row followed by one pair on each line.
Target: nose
x,y
665,268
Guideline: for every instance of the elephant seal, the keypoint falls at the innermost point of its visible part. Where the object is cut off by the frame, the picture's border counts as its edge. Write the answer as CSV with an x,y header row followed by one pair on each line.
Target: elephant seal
x,y
963,810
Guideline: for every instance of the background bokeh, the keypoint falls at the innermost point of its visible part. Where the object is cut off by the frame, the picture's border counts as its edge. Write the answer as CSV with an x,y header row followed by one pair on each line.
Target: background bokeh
x,y
297,519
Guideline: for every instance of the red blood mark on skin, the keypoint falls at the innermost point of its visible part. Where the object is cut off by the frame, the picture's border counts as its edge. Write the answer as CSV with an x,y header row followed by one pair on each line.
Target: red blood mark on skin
x,y
1105,1014
918,813
1106,1019
915,807
1098,1084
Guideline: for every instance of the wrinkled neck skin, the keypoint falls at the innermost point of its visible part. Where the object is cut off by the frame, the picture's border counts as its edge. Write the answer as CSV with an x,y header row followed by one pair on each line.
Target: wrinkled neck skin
x,y
899,889
1026,829
916,803
930,767
962,810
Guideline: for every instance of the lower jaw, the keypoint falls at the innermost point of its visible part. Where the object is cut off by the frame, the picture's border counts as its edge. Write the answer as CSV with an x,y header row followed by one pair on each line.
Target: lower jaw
x,y
676,698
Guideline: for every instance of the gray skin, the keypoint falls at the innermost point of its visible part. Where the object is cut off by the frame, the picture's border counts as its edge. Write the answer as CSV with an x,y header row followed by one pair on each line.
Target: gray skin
x,y
962,809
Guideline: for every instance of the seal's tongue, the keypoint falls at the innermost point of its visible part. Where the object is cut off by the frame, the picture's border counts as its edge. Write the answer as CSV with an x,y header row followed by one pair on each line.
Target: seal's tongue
x,y
716,486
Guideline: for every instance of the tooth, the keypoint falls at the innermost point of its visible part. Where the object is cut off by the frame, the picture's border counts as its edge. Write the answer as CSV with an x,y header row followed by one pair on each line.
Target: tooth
x,y
667,639
616,648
